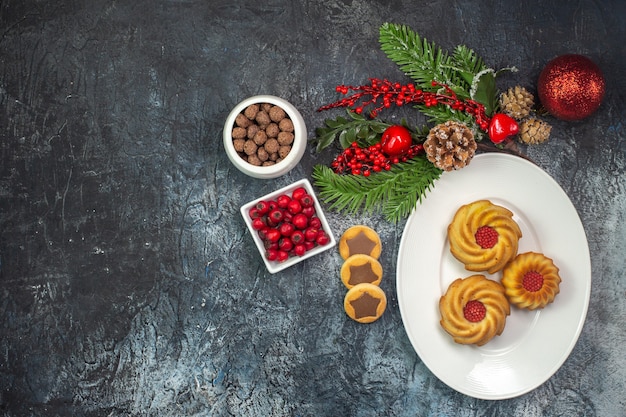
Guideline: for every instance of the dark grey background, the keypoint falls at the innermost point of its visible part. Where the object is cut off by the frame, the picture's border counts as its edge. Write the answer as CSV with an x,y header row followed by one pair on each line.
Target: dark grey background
x,y
128,283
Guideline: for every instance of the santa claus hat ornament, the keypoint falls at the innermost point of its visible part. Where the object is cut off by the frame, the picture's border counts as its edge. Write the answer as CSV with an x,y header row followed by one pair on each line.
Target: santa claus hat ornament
x,y
571,87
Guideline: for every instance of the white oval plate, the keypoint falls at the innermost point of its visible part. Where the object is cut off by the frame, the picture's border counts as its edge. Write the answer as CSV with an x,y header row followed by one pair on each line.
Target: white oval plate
x,y
534,344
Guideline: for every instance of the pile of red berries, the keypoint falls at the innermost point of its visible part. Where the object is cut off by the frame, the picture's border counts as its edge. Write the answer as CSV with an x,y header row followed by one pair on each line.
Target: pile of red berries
x,y
288,225
365,161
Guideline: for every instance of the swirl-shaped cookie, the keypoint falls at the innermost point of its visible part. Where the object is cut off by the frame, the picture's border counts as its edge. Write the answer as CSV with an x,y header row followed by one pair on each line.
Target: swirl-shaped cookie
x,y
531,280
483,236
474,310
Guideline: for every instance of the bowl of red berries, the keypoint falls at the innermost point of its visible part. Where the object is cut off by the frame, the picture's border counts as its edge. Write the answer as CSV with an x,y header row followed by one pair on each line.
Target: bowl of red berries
x,y
288,226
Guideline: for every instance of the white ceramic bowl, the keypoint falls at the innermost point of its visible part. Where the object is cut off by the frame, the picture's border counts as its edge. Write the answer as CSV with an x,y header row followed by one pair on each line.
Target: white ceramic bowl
x,y
275,266
290,161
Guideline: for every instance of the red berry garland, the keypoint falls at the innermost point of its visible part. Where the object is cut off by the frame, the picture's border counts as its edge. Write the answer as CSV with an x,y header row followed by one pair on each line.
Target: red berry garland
x,y
384,93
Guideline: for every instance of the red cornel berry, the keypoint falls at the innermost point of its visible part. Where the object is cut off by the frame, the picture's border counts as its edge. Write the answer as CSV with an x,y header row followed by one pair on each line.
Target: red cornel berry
x,y
474,311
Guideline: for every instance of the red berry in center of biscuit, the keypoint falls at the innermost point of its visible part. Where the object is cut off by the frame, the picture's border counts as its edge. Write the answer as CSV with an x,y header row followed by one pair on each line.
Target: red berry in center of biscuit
x,y
486,237
532,281
474,311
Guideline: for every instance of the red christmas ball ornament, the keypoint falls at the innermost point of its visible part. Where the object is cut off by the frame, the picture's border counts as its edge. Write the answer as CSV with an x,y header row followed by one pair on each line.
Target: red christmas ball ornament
x,y
571,87
396,140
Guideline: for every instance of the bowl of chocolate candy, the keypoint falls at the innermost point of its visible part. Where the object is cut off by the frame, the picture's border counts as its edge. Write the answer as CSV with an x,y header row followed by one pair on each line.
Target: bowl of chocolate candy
x,y
264,136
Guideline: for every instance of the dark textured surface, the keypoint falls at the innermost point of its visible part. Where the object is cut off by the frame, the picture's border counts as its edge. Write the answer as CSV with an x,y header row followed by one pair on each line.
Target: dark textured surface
x,y
128,283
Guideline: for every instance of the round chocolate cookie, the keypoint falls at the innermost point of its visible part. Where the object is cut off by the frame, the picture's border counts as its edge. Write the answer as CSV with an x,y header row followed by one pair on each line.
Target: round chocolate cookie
x,y
360,240
361,268
365,302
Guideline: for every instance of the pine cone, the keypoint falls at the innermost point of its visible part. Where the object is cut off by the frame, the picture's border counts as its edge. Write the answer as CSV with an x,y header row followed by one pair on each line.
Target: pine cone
x,y
450,145
532,131
517,102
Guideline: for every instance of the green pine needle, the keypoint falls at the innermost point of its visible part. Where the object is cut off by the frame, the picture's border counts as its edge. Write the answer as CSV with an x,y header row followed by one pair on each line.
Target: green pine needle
x,y
463,72
424,61
394,193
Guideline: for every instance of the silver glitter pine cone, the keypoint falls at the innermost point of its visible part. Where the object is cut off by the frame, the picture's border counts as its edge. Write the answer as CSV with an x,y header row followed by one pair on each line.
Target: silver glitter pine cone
x,y
450,145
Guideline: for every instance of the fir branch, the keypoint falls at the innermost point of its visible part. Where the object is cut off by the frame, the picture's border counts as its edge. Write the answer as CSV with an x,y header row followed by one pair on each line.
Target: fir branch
x,y
467,62
424,61
393,193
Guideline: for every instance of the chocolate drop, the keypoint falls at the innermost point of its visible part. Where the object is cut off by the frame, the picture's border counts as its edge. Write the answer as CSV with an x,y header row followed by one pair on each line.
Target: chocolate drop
x,y
365,306
362,273
360,244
